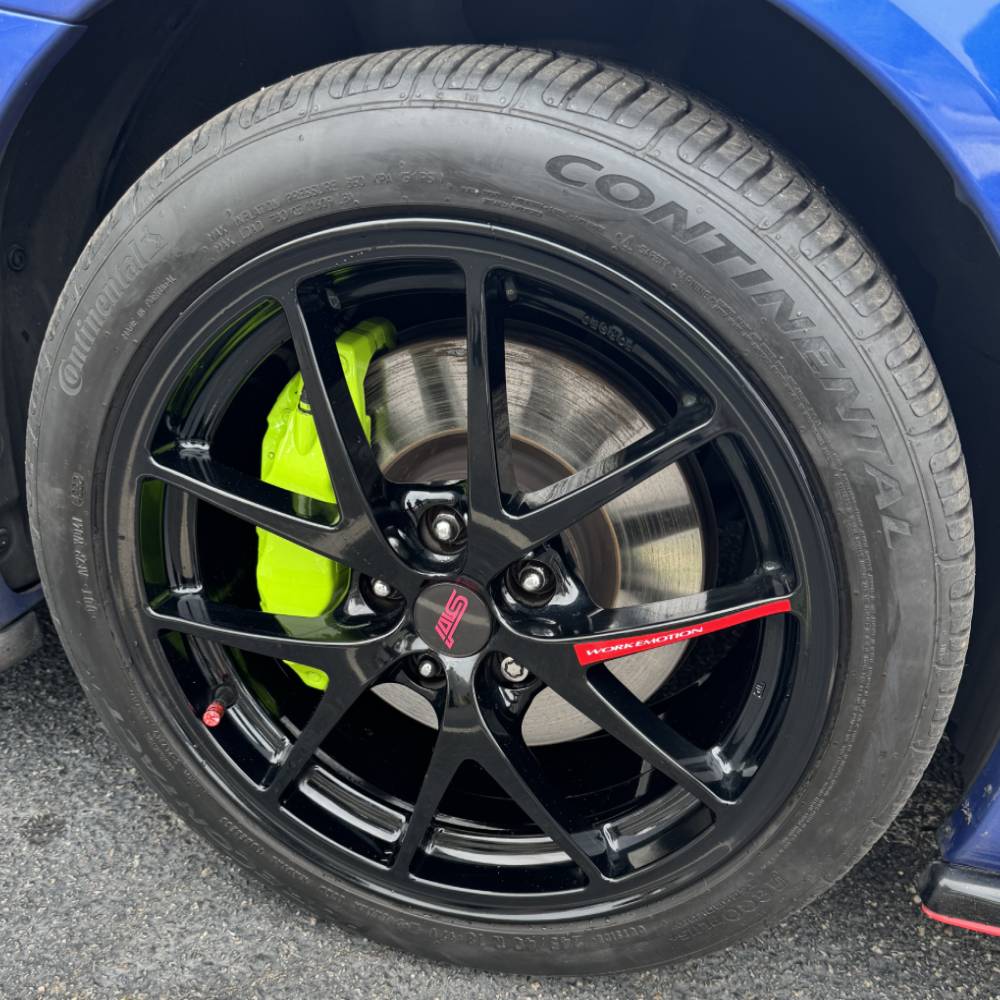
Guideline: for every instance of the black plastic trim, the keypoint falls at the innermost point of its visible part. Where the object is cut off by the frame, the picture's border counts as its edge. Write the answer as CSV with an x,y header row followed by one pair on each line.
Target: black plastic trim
x,y
961,893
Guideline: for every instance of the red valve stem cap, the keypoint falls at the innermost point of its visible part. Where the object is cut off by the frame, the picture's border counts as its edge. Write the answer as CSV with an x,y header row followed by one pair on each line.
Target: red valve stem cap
x,y
212,715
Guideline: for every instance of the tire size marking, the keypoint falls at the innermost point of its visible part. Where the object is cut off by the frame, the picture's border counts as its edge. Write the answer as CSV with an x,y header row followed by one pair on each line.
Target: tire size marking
x,y
82,564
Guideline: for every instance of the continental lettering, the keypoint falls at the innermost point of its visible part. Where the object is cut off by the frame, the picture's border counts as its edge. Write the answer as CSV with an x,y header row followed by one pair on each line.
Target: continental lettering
x,y
860,421
139,252
633,195
887,492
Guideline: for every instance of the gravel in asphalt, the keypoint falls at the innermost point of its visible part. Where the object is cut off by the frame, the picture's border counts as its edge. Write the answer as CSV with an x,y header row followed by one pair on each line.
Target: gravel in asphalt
x,y
105,894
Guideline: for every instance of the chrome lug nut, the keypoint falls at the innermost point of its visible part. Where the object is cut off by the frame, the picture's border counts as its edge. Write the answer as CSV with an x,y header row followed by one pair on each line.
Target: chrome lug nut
x,y
531,582
532,578
442,529
381,589
446,526
428,668
513,671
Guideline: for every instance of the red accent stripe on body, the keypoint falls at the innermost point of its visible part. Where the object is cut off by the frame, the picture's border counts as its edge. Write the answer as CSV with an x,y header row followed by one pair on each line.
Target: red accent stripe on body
x,y
966,925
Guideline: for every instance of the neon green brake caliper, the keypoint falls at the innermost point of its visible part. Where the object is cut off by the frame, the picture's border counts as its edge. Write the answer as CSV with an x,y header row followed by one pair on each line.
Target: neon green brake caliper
x,y
292,580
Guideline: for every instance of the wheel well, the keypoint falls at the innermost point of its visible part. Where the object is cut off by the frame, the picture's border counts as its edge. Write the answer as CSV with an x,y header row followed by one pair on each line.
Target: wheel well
x,y
109,109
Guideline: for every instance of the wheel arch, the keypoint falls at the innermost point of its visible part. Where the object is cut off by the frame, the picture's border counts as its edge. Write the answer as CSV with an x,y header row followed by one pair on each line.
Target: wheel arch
x,y
106,111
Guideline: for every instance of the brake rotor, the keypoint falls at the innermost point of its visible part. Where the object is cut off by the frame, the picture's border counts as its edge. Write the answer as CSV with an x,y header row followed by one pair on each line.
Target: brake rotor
x,y
644,546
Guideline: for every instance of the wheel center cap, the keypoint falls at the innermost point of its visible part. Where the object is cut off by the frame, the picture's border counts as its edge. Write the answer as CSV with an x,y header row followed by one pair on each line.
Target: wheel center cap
x,y
452,619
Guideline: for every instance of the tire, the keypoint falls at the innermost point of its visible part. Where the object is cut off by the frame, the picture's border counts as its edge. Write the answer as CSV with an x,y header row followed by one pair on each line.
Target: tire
x,y
677,195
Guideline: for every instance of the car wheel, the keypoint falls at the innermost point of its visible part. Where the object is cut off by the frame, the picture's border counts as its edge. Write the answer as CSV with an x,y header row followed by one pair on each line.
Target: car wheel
x,y
502,502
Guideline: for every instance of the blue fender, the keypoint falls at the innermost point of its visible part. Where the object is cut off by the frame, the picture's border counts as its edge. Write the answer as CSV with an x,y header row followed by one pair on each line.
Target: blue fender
x,y
939,62
30,47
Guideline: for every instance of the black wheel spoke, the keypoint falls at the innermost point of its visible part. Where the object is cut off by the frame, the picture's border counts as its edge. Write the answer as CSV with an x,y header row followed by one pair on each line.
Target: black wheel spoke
x,y
516,770
609,703
356,478
312,641
491,481
448,755
249,499
358,483
359,669
558,507
502,753
600,696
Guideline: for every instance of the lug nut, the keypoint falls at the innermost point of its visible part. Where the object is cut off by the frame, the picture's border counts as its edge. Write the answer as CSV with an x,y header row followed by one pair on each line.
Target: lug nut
x,y
531,578
446,526
512,670
428,668
442,529
378,591
531,582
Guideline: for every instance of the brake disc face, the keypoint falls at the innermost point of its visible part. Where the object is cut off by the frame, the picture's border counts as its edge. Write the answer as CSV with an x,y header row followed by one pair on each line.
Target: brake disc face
x,y
645,546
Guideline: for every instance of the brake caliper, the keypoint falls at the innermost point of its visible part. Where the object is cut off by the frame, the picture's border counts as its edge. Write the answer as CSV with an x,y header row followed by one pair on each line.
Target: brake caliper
x,y
292,580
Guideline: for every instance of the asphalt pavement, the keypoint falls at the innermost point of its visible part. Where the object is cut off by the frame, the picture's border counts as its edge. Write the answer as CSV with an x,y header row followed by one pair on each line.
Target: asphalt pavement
x,y
105,894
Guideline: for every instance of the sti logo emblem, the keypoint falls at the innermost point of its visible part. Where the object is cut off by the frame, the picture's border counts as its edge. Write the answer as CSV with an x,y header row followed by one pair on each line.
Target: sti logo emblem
x,y
454,608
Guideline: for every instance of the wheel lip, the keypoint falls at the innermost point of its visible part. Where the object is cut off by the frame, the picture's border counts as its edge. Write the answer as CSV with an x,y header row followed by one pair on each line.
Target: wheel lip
x,y
180,727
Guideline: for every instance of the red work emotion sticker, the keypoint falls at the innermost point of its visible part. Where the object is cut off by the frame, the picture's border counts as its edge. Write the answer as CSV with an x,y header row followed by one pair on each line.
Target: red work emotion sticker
x,y
611,649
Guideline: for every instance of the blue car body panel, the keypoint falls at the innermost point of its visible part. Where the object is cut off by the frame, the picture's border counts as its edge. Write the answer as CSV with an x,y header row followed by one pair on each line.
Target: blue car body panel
x,y
13,604
939,62
29,47
971,837
56,10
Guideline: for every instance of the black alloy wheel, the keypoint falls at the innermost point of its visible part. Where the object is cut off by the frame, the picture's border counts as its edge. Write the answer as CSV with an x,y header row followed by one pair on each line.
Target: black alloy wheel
x,y
704,802
617,675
